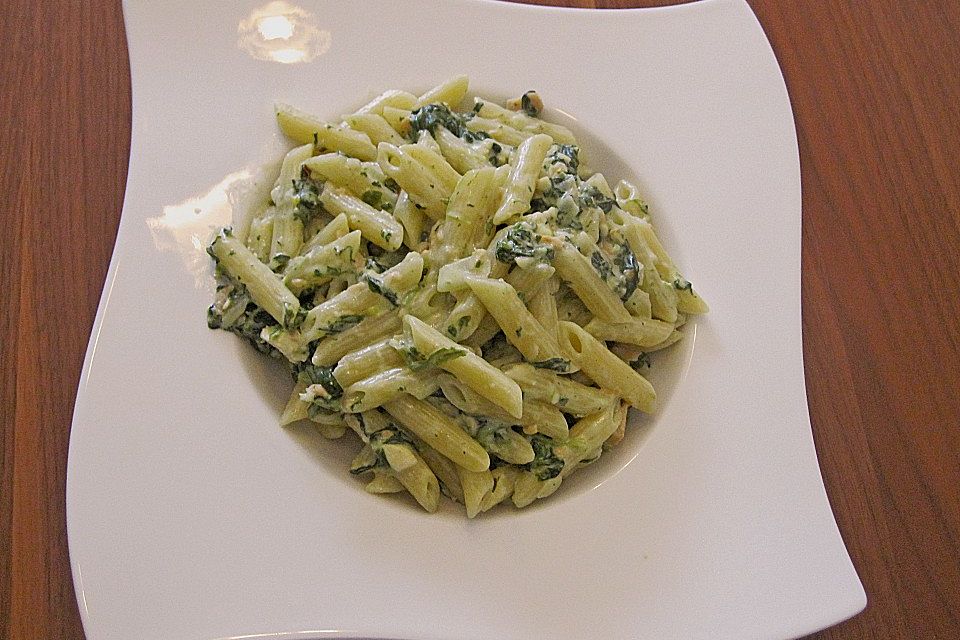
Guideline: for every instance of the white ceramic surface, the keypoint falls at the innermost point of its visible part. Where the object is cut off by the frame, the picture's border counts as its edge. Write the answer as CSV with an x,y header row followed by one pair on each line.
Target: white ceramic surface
x,y
191,514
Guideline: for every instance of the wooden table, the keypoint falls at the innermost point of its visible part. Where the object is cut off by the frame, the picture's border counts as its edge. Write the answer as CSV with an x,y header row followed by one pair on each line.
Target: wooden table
x,y
876,96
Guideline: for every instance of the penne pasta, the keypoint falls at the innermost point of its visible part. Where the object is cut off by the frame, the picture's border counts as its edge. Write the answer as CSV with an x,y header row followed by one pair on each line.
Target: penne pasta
x,y
456,289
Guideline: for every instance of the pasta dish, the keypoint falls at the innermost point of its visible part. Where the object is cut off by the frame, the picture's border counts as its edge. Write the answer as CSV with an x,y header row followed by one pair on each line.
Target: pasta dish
x,y
456,288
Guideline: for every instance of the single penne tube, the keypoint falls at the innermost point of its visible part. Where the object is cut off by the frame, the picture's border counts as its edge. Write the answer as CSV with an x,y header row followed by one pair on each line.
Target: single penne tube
x,y
617,436
440,432
606,369
527,281
566,394
506,444
523,122
542,417
525,489
384,483
498,131
336,228
471,369
450,92
425,140
464,319
476,485
454,276
445,470
549,487
638,304
430,158
296,409
302,127
523,178
663,296
687,300
414,474
260,237
575,269
413,220
365,180
378,227
397,118
468,211
665,267
672,339
504,480
323,263
376,128
462,156
519,326
543,307
391,98
368,331
589,433
254,214
469,401
638,331
263,285
366,362
426,190
375,391
290,171
287,238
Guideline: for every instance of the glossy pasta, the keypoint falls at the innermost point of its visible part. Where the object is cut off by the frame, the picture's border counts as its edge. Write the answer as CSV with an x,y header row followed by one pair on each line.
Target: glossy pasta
x,y
450,283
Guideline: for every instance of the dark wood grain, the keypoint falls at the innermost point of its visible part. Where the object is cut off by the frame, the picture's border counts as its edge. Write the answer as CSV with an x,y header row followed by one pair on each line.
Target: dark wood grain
x,y
65,109
877,104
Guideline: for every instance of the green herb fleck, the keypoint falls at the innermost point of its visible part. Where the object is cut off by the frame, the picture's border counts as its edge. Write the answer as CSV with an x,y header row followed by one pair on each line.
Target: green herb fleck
x,y
545,464
520,242
560,365
601,265
417,361
377,286
306,198
430,116
372,198
342,323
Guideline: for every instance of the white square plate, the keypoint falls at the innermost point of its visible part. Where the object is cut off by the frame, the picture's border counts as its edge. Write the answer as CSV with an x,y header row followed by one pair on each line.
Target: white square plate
x,y
191,514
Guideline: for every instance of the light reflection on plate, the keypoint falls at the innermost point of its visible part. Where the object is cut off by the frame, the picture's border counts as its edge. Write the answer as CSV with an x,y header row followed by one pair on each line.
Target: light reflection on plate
x,y
187,227
284,33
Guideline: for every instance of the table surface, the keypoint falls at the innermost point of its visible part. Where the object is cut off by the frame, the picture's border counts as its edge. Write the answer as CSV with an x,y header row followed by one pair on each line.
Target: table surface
x,y
876,98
